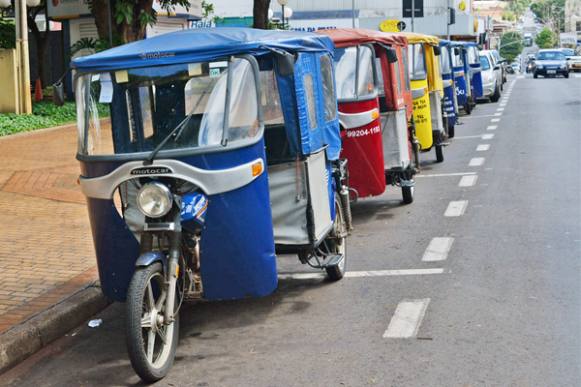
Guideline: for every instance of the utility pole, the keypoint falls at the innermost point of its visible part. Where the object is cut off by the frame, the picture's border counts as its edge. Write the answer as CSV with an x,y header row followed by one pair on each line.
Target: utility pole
x,y
448,19
25,103
413,13
353,13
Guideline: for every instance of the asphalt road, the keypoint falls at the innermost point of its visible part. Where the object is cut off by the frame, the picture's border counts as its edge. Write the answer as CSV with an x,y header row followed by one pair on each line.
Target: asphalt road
x,y
503,310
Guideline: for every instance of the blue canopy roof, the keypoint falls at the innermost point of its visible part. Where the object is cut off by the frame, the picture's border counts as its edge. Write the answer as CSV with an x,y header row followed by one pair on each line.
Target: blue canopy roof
x,y
200,45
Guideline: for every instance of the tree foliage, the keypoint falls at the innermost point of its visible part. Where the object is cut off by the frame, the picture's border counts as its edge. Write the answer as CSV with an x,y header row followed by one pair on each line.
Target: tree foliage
x,y
518,7
511,45
545,38
7,34
550,12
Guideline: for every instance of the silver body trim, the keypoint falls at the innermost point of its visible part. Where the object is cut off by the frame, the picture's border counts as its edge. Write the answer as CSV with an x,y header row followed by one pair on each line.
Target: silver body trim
x,y
357,120
210,181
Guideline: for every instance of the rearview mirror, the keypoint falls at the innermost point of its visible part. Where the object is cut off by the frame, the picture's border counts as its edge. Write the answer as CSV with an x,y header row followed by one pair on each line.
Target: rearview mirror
x,y
391,55
497,67
437,51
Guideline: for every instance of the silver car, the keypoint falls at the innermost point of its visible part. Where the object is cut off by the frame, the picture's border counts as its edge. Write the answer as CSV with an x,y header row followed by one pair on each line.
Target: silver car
x,y
491,76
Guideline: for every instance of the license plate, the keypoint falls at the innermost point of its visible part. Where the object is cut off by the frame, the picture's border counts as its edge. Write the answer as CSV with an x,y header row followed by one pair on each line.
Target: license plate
x,y
551,71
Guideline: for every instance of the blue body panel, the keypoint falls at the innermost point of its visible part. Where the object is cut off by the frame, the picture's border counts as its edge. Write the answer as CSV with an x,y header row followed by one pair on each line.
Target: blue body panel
x,y
477,87
461,90
448,103
237,247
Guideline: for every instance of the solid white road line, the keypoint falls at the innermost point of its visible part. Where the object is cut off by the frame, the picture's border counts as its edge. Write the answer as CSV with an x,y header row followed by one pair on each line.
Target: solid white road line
x,y
407,319
456,208
482,147
491,127
495,120
465,137
468,181
476,162
488,136
390,273
361,274
438,249
446,174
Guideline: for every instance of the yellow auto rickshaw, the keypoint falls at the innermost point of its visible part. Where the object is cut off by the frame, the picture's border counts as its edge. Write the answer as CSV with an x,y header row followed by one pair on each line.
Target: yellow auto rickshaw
x,y
427,91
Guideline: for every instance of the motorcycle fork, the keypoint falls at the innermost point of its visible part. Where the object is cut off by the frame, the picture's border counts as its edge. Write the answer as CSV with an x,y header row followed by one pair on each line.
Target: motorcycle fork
x,y
172,273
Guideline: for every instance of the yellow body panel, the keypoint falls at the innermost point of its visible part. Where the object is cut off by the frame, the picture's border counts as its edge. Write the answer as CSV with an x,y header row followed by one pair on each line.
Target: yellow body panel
x,y
422,115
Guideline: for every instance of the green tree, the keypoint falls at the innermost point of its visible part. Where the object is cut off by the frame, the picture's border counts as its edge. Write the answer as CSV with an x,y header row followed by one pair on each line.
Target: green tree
x,y
550,12
545,38
511,45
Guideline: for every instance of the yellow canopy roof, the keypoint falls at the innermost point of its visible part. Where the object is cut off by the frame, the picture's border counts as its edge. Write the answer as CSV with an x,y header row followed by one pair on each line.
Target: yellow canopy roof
x,y
414,38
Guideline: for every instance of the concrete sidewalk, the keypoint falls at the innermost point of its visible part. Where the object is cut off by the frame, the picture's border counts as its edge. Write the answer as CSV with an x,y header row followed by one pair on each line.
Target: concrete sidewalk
x,y
46,250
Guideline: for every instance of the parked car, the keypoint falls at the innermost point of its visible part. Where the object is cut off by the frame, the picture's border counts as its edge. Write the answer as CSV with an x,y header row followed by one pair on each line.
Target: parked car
x,y
502,63
515,66
491,76
550,62
573,61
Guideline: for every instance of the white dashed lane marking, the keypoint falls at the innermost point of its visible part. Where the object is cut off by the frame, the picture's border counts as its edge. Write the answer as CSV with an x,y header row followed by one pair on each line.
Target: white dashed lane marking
x,y
482,147
488,136
476,161
456,208
468,181
495,120
491,127
438,249
407,319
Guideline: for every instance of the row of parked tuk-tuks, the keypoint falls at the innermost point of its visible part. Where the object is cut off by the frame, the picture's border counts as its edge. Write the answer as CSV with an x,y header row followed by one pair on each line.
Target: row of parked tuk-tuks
x,y
228,146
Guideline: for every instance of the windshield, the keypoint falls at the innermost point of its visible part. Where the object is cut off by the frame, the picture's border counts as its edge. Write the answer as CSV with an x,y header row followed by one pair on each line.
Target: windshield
x,y
354,80
484,63
147,104
457,58
445,67
550,55
472,55
568,52
416,59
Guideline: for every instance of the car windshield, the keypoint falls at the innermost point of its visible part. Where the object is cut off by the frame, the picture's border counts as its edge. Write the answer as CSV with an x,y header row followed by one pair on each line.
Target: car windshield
x,y
147,104
550,55
484,63
568,52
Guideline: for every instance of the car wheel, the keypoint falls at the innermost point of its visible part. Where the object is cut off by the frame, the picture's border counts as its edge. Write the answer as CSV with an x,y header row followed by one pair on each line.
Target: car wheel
x,y
535,75
566,75
496,96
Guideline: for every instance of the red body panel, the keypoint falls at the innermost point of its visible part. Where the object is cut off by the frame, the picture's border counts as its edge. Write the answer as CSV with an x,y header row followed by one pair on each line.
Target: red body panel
x,y
363,149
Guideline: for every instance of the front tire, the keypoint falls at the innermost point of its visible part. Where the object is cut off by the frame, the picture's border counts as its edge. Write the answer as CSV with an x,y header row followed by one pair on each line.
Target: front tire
x,y
338,243
496,96
151,343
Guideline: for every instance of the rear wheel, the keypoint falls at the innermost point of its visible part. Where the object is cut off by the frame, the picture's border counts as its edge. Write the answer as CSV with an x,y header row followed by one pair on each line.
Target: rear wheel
x,y
337,243
151,343
439,153
407,194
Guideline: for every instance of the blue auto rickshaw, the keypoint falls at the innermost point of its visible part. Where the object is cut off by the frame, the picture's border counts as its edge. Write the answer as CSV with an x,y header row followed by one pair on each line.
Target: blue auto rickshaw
x,y
472,58
450,101
223,150
461,77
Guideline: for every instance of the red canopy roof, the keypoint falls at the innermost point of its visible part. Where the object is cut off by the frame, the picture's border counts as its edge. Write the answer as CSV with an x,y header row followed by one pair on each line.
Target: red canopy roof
x,y
344,37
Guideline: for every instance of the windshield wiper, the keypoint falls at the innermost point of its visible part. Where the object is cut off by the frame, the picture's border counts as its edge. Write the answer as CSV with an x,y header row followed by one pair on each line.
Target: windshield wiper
x,y
179,126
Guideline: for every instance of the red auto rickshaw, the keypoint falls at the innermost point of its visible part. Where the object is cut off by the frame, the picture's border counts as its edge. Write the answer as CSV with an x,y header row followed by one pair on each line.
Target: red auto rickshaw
x,y
375,111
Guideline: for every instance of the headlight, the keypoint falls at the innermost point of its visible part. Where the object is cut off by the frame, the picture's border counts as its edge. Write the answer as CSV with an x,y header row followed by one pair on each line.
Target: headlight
x,y
154,200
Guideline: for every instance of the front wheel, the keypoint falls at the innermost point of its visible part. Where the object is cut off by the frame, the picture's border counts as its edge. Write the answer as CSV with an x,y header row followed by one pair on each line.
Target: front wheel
x,y
337,243
151,343
496,96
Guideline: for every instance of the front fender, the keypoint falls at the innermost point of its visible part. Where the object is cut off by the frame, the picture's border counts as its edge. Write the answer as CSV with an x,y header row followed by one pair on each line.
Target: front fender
x,y
150,258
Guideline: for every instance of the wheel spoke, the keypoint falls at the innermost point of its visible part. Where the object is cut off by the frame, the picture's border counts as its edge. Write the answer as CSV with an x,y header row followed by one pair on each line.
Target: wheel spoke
x,y
150,299
161,300
146,320
161,333
150,345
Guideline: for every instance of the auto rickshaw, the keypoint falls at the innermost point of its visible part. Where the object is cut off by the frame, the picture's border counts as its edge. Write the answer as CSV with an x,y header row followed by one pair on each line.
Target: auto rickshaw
x,y
371,91
461,77
475,69
223,150
427,91
450,102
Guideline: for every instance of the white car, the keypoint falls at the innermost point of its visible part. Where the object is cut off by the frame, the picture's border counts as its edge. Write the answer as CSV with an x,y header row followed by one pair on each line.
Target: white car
x,y
491,76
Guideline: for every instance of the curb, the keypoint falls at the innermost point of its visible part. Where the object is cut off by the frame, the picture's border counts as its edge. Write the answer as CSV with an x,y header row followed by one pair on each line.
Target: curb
x,y
25,339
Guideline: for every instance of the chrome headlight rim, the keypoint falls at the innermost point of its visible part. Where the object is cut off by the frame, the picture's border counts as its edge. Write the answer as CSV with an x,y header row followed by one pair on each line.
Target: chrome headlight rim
x,y
161,206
